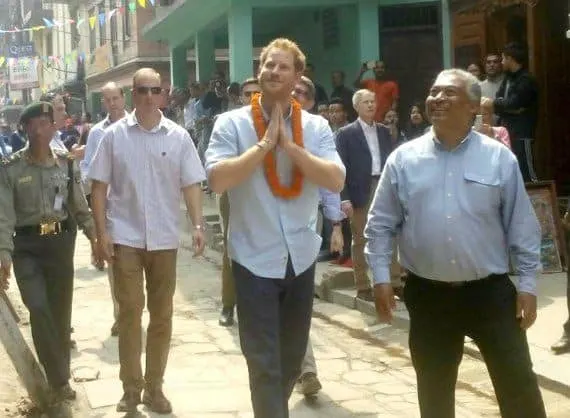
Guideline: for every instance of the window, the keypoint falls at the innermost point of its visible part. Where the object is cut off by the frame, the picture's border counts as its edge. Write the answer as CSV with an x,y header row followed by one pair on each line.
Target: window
x,y
49,43
114,39
102,26
92,36
127,25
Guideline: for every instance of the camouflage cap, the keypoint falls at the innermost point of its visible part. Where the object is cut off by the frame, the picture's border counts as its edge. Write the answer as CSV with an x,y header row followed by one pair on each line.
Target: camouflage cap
x,y
36,110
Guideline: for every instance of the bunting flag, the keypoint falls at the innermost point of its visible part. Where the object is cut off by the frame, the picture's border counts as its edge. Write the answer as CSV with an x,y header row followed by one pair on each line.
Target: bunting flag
x,y
101,17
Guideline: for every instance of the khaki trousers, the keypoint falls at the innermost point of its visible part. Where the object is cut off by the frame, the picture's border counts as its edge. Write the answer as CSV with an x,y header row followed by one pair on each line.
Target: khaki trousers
x,y
111,277
131,267
360,266
228,285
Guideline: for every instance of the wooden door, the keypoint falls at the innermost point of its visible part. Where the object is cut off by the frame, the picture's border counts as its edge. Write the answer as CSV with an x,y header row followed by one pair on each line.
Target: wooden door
x,y
469,39
411,47
414,71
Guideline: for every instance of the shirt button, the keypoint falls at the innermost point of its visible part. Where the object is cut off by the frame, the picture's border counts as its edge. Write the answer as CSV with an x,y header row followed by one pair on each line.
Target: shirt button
x,y
450,174
452,261
448,216
449,195
449,239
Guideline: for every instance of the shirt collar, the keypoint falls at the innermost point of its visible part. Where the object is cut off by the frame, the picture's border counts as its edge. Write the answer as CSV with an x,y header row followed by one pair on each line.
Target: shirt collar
x,y
266,116
54,159
459,146
132,121
107,121
365,125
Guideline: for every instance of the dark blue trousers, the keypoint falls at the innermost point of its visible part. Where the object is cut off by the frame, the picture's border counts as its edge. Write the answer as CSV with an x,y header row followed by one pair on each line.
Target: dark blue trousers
x,y
274,322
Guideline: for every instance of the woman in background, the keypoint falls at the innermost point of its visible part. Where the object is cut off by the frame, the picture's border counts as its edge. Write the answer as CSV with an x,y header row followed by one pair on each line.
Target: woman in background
x,y
418,123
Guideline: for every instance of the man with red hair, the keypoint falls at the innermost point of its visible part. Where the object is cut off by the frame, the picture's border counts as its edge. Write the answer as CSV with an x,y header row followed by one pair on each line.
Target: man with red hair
x,y
272,157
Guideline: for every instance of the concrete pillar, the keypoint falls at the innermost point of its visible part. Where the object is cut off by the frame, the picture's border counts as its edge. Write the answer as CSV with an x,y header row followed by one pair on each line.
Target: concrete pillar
x,y
178,67
205,56
240,33
368,31
446,34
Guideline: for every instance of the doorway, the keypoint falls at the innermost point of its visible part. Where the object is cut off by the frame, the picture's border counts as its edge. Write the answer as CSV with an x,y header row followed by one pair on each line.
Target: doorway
x,y
411,47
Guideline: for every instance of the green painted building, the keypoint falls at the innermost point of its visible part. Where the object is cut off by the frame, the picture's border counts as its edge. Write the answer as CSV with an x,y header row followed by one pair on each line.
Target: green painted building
x,y
411,36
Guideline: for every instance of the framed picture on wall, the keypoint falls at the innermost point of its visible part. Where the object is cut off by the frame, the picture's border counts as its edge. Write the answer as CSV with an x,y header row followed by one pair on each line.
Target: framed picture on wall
x,y
553,245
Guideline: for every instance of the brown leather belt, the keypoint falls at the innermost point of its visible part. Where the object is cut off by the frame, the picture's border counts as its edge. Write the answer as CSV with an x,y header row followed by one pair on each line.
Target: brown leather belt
x,y
43,229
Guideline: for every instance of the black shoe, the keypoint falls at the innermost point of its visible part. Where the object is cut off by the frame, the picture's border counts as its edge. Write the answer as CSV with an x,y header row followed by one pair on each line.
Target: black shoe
x,y
227,317
64,393
310,384
562,345
115,329
155,400
129,402
365,295
325,255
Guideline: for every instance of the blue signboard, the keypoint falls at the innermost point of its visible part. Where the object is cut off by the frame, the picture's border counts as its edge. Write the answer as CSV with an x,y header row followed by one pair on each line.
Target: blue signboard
x,y
20,49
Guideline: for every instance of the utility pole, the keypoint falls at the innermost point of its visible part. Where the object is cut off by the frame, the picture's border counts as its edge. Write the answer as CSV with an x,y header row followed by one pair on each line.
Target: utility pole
x,y
24,37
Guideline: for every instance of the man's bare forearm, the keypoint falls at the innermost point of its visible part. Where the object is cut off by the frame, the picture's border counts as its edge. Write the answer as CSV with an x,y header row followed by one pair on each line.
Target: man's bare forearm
x,y
323,173
99,207
234,171
193,199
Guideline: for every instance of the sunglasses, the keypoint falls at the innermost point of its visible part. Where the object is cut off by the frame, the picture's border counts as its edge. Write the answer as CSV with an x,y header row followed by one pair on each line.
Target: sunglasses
x,y
145,90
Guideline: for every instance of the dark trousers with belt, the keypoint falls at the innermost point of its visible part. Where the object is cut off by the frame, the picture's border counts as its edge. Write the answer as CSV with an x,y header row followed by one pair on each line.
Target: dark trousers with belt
x,y
43,266
274,322
441,315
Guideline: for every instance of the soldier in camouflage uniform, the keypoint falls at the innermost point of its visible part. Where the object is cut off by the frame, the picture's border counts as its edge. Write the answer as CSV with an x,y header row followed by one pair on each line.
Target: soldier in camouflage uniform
x,y
40,198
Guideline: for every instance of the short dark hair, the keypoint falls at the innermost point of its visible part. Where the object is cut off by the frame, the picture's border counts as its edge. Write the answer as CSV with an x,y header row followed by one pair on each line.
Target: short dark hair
x,y
516,51
249,82
342,73
234,89
337,101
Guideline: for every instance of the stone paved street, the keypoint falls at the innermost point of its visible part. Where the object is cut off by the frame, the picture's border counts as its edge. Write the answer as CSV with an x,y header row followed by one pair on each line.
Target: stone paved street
x,y
207,376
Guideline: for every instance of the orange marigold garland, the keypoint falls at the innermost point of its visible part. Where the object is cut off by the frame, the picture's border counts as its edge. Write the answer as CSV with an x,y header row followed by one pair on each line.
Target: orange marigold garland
x,y
270,161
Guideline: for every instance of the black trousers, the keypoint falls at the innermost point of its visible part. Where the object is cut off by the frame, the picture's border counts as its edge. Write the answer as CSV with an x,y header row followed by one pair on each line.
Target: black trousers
x,y
485,310
523,150
347,237
274,322
43,266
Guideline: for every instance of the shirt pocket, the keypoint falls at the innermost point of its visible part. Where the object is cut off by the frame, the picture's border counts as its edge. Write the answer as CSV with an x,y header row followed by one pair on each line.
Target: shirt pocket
x,y
482,191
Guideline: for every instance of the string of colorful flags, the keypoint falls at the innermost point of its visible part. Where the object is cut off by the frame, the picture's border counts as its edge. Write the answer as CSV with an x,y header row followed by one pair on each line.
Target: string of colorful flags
x,y
49,60
91,20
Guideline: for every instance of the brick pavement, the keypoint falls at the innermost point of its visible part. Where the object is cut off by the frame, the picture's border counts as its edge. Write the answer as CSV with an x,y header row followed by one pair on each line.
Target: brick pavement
x,y
364,374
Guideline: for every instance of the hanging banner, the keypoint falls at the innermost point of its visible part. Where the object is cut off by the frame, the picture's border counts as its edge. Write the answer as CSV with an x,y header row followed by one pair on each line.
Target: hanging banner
x,y
23,73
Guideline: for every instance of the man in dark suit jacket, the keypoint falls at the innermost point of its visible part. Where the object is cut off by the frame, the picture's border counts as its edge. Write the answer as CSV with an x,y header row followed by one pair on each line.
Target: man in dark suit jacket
x,y
363,146
516,105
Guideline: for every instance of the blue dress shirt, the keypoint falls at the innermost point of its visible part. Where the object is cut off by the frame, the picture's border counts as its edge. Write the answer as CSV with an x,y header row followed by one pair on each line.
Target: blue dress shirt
x,y
458,214
263,229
